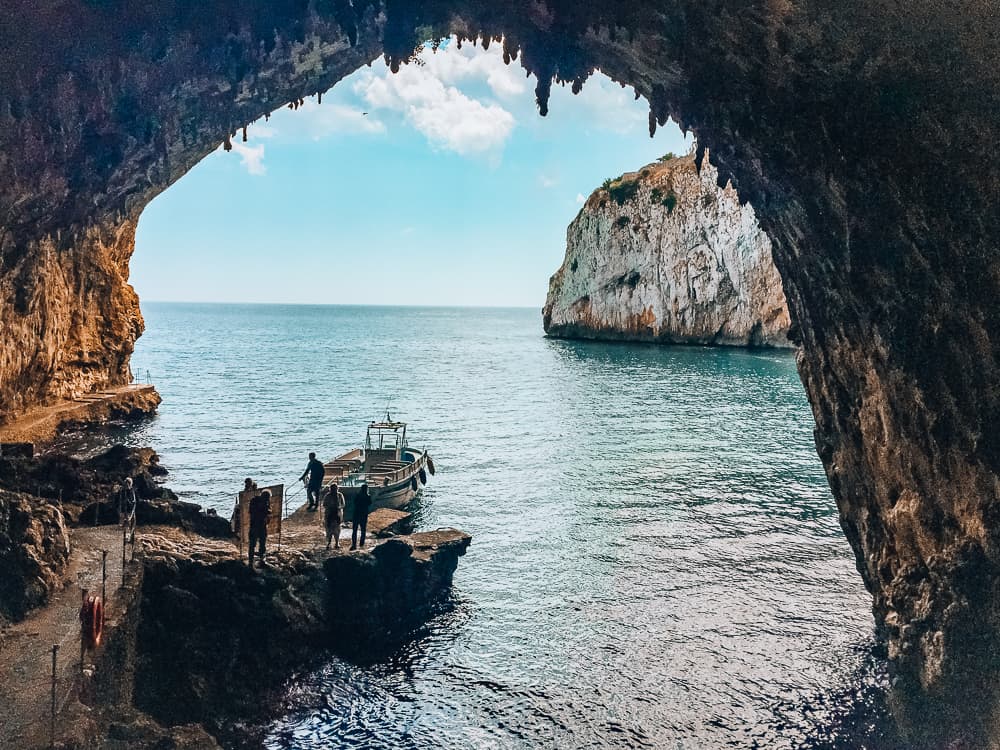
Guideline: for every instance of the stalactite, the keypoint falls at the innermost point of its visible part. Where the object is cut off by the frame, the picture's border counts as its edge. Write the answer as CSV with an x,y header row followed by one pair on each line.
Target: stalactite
x,y
319,97
227,144
542,91
244,133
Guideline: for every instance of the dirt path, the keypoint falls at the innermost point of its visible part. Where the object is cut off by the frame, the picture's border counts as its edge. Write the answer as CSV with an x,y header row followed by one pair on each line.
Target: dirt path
x,y
26,648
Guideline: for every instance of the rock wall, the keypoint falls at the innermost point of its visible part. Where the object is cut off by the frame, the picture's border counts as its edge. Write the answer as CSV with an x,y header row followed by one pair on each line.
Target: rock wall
x,y
864,138
72,313
664,254
34,550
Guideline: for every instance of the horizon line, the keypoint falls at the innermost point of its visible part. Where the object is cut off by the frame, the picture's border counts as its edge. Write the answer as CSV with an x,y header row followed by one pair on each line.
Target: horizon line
x,y
338,304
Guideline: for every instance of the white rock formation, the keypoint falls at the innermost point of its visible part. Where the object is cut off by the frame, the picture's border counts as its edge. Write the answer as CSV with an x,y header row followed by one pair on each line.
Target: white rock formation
x,y
664,254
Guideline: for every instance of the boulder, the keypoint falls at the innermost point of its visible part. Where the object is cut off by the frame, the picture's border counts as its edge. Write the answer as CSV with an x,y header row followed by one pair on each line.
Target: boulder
x,y
34,550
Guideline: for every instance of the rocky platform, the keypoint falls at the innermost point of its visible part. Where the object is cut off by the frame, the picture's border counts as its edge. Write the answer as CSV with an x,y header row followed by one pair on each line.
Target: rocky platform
x,y
219,639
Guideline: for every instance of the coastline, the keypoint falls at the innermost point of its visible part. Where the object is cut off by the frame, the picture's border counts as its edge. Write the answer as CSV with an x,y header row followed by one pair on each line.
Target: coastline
x,y
185,593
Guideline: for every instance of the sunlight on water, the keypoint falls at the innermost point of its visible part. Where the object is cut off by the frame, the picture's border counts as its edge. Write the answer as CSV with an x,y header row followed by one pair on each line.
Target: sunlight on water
x,y
656,558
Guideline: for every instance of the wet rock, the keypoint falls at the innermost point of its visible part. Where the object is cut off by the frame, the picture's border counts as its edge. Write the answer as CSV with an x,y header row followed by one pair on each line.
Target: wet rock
x,y
34,550
664,254
17,450
388,586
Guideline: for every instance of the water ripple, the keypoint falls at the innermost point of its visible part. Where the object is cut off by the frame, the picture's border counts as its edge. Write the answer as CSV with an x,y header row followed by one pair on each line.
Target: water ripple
x,y
656,560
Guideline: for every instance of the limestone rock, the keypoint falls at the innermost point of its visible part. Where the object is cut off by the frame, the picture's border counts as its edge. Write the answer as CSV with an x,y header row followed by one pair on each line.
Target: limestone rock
x,y
34,550
665,254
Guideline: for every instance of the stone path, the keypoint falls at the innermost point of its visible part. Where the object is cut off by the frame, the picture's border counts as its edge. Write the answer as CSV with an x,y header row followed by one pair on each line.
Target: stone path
x,y
26,648
41,423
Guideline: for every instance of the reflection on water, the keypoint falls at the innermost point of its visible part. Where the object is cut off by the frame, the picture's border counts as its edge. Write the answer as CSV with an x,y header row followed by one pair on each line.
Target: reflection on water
x,y
656,558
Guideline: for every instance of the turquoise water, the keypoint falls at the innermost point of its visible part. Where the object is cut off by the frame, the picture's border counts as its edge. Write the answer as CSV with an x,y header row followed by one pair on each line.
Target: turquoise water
x,y
656,557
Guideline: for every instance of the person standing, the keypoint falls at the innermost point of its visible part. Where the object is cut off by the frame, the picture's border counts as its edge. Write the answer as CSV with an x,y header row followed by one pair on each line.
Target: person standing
x,y
234,521
260,513
127,507
362,504
314,470
333,511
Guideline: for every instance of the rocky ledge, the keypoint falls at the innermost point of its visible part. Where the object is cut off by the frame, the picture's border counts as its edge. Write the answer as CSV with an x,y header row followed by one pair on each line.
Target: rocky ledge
x,y
218,640
664,254
34,549
43,424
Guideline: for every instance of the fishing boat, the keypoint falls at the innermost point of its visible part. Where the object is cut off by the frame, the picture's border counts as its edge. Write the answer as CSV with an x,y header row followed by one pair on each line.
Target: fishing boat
x,y
394,472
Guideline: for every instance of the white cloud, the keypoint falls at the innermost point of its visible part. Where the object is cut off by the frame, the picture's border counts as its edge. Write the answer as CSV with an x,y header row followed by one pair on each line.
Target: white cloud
x,y
452,65
547,181
580,198
260,129
251,157
322,120
447,117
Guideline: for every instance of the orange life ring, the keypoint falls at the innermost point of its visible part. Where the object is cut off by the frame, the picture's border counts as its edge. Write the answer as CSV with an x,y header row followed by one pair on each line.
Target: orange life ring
x,y
92,621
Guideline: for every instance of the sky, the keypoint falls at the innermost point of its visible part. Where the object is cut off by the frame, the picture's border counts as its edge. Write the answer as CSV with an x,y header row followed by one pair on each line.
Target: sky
x,y
439,185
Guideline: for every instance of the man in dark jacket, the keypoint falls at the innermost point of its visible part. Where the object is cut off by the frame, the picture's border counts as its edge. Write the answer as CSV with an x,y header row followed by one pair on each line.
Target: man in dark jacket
x,y
260,513
362,504
127,501
314,470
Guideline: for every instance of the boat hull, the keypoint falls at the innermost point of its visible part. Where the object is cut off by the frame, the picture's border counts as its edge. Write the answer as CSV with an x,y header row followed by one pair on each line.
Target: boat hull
x,y
395,490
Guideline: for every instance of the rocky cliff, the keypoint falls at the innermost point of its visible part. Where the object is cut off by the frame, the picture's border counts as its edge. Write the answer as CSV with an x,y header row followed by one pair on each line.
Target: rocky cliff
x,y
665,254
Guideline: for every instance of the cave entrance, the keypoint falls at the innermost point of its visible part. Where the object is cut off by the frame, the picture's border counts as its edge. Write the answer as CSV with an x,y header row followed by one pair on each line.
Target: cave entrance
x,y
579,465
857,135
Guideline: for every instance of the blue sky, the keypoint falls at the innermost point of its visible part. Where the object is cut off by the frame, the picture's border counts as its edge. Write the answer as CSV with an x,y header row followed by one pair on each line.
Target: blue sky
x,y
451,190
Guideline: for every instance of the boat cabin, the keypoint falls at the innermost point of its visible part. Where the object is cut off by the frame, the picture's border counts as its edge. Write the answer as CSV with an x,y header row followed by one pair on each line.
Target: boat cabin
x,y
384,442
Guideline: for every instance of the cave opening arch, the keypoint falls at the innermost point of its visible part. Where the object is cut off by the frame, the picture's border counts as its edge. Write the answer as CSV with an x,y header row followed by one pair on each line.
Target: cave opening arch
x,y
858,136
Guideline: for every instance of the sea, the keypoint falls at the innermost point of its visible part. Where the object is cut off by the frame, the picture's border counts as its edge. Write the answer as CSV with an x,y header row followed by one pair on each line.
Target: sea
x,y
656,557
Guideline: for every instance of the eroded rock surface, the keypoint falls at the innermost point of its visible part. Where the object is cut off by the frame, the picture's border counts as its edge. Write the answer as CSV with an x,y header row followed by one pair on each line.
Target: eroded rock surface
x,y
34,550
664,254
